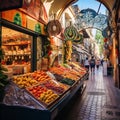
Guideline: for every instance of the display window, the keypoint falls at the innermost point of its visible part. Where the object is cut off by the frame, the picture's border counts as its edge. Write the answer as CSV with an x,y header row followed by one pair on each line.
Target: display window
x,y
17,51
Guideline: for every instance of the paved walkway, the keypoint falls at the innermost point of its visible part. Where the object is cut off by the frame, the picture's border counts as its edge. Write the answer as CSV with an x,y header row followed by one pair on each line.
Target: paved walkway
x,y
100,101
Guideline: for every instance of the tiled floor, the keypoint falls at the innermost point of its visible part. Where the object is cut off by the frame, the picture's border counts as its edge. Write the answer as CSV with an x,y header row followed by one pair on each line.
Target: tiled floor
x,y
100,101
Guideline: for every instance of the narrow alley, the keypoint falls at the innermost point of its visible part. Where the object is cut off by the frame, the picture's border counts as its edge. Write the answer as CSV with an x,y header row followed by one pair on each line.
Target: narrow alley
x,y
100,101
48,50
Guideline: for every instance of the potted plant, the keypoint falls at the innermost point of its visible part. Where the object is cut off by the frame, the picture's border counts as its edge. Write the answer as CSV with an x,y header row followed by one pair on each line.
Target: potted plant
x,y
3,78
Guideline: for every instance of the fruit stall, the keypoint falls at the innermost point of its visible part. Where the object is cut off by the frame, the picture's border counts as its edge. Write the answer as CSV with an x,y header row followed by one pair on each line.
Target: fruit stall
x,y
42,94
38,89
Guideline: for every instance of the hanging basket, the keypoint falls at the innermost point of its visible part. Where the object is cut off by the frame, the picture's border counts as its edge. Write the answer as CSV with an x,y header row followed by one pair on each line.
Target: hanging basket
x,y
54,28
70,33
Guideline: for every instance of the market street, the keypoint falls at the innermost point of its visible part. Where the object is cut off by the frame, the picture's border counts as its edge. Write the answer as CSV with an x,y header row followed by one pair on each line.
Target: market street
x,y
100,101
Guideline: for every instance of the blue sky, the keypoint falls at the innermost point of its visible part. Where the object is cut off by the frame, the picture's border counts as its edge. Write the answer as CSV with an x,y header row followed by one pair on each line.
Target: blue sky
x,y
84,4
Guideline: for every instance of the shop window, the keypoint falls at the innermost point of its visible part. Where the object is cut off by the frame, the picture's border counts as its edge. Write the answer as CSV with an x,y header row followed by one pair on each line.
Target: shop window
x,y
17,51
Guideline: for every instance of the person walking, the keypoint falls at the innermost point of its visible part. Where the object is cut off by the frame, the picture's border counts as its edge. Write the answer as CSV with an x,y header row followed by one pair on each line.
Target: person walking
x,y
105,67
92,64
86,63
102,62
97,63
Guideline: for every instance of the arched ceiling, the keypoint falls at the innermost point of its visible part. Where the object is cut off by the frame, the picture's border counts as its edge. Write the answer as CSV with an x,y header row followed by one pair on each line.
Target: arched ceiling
x,y
58,6
107,3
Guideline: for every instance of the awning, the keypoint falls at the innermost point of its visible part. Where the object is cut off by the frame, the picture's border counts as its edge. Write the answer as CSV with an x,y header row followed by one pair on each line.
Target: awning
x,y
78,49
84,33
81,49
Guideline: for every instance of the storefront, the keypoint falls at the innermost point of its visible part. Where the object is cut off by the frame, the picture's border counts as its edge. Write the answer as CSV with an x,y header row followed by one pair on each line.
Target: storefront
x,y
22,36
23,51
38,87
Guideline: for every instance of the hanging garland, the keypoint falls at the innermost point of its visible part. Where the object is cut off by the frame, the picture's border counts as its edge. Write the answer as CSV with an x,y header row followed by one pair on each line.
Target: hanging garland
x,y
53,28
79,38
70,33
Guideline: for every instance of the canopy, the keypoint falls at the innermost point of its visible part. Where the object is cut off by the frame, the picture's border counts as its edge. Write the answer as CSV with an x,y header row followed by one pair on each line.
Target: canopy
x,y
88,18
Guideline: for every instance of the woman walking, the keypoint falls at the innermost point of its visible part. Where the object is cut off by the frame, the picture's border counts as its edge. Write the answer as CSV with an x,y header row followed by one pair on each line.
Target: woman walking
x,y
86,63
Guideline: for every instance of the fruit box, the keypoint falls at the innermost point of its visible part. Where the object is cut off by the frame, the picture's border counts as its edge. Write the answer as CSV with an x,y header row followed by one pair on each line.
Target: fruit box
x,y
45,96
24,81
56,86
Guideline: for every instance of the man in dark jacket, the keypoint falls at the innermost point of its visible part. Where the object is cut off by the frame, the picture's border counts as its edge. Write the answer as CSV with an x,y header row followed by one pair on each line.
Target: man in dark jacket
x,y
92,64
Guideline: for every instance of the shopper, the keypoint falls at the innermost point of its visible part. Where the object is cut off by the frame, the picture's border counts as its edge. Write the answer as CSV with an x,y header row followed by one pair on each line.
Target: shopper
x,y
102,62
105,67
86,63
97,63
92,64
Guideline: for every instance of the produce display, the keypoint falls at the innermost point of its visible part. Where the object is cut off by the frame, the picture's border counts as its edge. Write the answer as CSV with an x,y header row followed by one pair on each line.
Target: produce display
x,y
78,68
40,76
41,86
58,77
71,76
43,94
58,70
67,81
56,86
44,79
24,81
65,72
47,87
72,70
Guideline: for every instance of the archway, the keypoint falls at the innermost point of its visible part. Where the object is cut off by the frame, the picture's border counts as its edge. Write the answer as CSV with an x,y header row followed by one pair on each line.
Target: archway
x,y
89,18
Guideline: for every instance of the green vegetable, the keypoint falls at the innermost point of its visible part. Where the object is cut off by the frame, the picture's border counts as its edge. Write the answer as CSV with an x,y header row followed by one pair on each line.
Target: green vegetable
x,y
67,81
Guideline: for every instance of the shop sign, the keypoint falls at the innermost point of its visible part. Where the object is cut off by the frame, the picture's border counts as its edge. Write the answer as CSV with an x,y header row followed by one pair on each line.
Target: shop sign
x,y
19,18
15,16
10,4
35,9
36,26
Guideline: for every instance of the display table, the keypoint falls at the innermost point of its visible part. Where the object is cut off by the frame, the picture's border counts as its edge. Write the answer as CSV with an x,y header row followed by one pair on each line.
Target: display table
x,y
19,104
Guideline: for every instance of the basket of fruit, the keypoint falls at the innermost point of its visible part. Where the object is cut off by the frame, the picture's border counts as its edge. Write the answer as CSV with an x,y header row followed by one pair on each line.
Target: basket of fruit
x,y
24,81
45,96
56,86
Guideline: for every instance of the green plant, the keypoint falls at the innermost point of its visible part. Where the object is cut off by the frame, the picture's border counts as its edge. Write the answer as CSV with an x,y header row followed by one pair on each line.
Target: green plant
x,y
3,78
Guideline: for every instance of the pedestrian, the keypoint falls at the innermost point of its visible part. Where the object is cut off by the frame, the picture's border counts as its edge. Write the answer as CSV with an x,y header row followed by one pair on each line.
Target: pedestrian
x,y
97,63
92,64
102,62
105,67
86,63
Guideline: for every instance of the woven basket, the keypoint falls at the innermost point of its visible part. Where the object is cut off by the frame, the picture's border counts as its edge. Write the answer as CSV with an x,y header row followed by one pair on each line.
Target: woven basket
x,y
54,28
